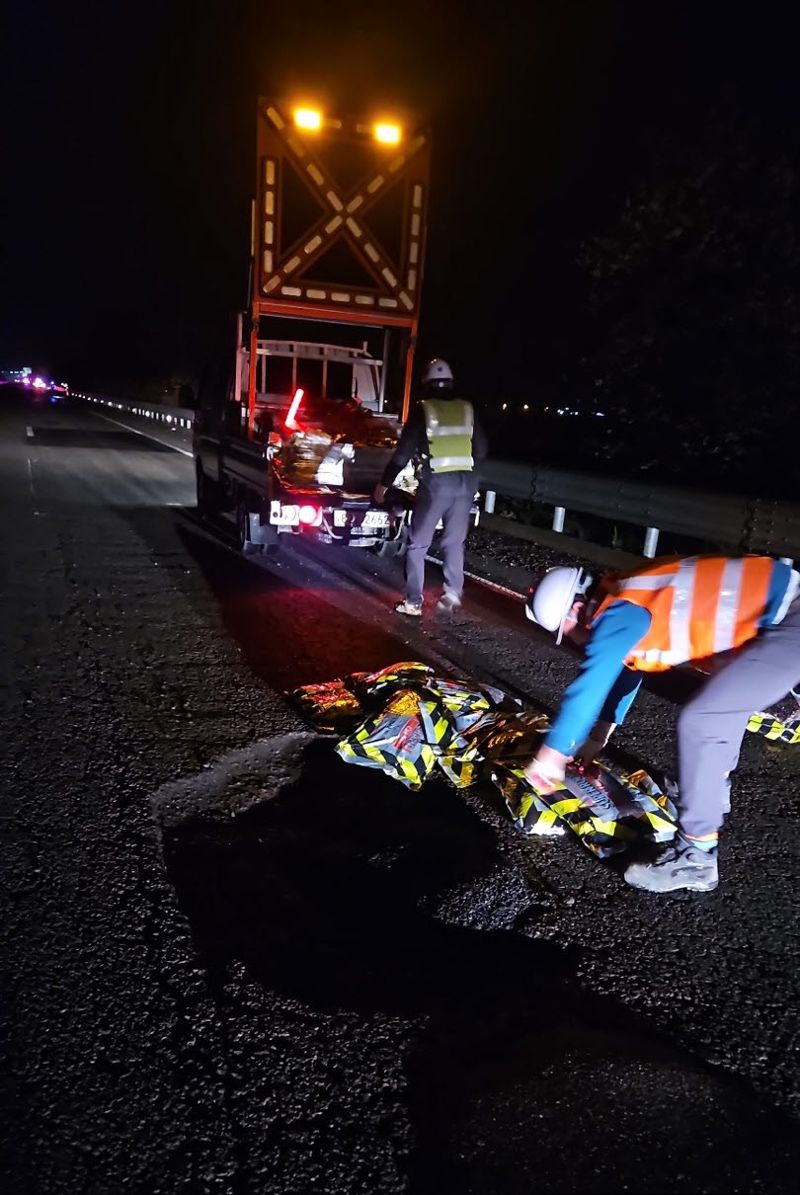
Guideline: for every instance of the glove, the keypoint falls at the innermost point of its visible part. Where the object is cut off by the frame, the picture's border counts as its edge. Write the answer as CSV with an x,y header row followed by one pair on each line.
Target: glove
x,y
379,493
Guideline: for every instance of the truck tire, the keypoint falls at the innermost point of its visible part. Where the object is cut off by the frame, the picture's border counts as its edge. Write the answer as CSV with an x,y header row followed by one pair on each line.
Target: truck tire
x,y
206,497
246,545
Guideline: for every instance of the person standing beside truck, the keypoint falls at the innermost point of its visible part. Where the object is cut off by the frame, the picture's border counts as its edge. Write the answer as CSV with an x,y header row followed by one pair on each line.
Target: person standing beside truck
x,y
444,434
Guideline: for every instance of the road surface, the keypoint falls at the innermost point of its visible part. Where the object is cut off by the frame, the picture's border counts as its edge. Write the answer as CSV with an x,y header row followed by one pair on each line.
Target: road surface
x,y
234,964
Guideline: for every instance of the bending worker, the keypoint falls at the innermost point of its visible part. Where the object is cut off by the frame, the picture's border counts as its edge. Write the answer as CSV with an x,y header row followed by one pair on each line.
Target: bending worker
x,y
443,433
667,614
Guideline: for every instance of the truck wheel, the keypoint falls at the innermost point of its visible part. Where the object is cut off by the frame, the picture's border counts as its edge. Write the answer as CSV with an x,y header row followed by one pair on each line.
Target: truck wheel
x,y
205,494
246,545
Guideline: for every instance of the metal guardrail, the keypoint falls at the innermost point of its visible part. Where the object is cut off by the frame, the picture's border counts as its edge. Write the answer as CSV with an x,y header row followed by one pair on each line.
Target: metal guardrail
x,y
181,417
734,521
737,522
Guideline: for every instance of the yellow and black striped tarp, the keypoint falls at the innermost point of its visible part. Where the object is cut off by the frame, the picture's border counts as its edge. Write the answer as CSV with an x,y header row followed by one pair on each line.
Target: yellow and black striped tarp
x,y
774,729
418,723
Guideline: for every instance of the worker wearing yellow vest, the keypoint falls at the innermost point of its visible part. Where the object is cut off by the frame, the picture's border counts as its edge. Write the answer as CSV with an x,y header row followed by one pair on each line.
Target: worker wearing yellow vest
x,y
666,614
444,435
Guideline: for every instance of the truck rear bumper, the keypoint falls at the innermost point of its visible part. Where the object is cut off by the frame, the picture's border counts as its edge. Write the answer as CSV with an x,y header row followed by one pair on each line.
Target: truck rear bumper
x,y
346,519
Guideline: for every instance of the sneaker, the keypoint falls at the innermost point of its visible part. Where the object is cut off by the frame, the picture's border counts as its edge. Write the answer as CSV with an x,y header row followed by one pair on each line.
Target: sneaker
x,y
448,603
681,866
408,608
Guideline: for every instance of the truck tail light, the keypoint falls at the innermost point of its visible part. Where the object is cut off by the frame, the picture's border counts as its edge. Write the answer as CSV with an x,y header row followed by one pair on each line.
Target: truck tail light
x,y
308,515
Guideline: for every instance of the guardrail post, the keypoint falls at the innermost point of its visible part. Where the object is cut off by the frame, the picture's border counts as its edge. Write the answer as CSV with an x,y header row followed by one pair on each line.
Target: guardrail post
x,y
489,501
650,541
558,518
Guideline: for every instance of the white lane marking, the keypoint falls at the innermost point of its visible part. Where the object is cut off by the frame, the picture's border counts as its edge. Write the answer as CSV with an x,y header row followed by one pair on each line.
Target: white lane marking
x,y
38,514
29,432
147,436
495,585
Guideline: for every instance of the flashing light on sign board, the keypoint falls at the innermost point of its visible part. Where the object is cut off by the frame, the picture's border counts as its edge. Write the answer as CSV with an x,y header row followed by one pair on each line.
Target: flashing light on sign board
x,y
308,118
291,420
387,134
308,515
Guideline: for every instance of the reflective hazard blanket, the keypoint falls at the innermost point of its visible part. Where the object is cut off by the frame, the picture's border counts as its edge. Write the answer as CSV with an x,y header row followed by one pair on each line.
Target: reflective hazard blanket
x,y
409,724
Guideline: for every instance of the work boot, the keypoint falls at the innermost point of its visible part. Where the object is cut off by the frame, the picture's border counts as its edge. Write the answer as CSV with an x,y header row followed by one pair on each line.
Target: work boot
x,y
448,603
406,607
681,866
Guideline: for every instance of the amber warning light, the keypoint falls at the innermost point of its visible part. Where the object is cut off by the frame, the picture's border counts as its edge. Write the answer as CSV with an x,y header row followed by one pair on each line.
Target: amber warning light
x,y
308,118
388,134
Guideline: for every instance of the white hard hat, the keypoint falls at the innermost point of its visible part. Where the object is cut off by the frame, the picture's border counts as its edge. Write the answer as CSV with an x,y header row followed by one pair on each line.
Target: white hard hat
x,y
437,370
550,601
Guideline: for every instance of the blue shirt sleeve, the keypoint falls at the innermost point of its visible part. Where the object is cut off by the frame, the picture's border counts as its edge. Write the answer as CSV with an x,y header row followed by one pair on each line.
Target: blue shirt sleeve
x,y
603,687
779,583
621,695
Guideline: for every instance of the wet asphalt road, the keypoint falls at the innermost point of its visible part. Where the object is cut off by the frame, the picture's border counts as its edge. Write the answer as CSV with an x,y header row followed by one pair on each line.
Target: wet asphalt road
x,y
233,964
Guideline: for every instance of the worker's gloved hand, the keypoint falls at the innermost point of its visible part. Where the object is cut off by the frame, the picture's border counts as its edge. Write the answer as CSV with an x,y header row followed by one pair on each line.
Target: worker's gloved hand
x,y
546,770
379,493
600,734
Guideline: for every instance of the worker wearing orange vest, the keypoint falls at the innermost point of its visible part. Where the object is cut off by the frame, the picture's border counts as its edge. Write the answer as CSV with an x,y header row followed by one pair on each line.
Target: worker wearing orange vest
x,y
666,614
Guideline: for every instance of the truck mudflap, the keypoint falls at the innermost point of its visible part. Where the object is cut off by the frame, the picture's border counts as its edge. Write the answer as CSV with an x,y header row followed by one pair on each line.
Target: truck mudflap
x,y
261,530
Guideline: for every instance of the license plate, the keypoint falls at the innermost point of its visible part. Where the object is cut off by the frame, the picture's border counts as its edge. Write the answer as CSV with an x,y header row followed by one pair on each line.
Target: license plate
x,y
375,518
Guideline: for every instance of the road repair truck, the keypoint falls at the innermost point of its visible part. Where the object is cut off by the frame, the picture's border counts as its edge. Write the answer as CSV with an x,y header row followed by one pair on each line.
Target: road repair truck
x,y
296,423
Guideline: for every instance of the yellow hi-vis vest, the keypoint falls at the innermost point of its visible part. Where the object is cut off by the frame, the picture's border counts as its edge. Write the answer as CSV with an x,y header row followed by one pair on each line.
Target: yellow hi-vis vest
x,y
449,424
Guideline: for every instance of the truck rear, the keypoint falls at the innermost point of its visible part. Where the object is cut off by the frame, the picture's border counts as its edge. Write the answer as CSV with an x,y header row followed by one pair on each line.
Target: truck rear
x,y
313,458
296,426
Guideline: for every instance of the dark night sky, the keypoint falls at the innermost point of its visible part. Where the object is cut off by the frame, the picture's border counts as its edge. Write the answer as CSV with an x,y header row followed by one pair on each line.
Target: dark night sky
x,y
130,156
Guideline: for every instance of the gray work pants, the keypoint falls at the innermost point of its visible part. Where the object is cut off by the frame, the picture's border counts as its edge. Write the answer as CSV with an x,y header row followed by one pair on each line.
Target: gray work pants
x,y
445,496
712,725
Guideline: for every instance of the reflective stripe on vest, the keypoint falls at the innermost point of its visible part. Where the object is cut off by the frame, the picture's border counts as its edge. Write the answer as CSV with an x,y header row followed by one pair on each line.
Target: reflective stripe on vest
x,y
700,606
449,424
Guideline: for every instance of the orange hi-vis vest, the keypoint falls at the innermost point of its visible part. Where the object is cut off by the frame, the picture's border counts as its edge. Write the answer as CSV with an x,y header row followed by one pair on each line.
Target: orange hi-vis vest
x,y
700,605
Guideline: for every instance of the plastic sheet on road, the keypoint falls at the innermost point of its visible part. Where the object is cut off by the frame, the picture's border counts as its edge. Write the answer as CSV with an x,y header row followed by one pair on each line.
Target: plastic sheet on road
x,y
410,723
417,723
780,723
331,706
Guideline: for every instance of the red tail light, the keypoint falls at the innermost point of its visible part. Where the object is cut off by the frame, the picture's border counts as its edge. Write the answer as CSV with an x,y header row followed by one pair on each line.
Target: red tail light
x,y
308,515
291,421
